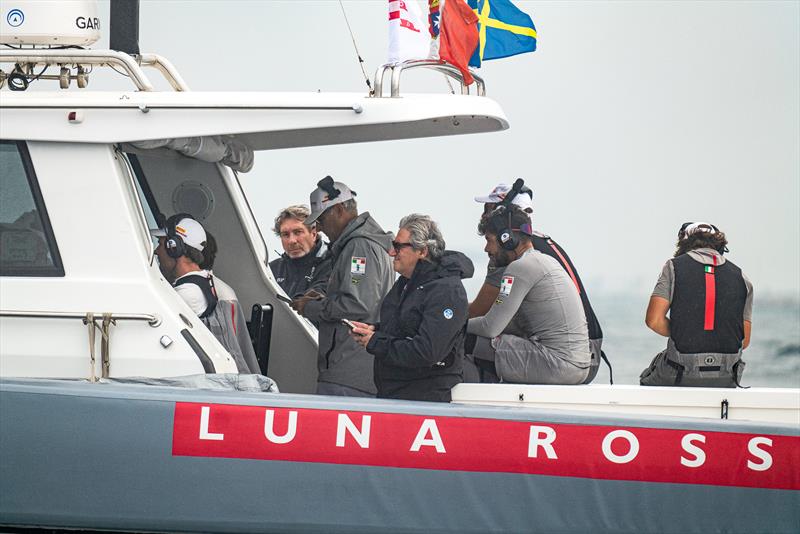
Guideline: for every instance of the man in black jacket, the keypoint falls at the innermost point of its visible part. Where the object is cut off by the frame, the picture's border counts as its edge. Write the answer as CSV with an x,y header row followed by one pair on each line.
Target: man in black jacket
x,y
419,343
361,275
304,265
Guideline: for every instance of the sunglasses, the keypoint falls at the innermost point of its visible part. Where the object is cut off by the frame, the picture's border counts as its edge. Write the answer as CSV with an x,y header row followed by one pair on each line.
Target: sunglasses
x,y
399,246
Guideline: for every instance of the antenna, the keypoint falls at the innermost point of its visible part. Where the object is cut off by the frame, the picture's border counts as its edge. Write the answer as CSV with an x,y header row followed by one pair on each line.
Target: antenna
x,y
124,35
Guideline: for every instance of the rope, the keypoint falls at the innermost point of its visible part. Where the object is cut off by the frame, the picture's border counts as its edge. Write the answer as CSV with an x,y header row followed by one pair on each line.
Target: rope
x,y
355,46
105,352
92,326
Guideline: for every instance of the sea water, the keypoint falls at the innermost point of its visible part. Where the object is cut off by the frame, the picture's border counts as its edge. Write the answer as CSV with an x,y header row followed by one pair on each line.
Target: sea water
x,y
773,357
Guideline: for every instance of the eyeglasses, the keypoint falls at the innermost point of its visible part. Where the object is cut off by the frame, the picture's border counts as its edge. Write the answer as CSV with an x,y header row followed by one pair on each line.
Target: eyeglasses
x,y
399,246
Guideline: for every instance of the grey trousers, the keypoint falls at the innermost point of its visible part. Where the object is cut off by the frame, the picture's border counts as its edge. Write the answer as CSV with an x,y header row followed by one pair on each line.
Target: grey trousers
x,y
708,369
525,361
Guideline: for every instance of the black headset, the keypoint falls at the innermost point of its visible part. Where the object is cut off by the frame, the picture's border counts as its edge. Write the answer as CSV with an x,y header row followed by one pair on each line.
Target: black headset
x,y
684,226
326,184
682,234
505,234
174,244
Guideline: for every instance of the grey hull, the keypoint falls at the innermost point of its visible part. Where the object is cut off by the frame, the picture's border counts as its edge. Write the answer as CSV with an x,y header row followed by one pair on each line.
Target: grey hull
x,y
102,456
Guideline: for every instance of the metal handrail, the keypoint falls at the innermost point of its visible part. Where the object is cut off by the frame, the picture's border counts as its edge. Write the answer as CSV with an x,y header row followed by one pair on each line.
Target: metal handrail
x,y
152,319
166,68
85,57
434,64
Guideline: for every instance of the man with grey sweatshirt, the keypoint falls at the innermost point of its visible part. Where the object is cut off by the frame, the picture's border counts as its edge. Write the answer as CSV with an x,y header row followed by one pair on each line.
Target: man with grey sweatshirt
x,y
536,331
361,276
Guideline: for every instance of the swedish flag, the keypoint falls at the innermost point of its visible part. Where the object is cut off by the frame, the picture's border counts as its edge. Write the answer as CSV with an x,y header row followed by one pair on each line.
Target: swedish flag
x,y
504,30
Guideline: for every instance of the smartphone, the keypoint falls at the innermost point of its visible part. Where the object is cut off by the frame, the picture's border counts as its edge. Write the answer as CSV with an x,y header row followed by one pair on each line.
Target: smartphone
x,y
287,300
349,323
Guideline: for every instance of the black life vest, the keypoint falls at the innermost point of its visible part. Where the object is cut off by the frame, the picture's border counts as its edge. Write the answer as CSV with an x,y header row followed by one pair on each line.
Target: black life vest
x,y
546,245
206,285
706,313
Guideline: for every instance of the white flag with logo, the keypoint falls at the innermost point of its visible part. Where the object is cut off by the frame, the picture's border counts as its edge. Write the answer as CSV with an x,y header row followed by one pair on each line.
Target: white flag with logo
x,y
408,31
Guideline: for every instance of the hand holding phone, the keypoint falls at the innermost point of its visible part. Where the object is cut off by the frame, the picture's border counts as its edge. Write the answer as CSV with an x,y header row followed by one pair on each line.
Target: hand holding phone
x,y
349,324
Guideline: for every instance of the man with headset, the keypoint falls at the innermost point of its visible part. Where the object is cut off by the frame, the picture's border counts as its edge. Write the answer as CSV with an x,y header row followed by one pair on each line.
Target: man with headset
x,y
535,332
703,303
181,243
361,276
522,196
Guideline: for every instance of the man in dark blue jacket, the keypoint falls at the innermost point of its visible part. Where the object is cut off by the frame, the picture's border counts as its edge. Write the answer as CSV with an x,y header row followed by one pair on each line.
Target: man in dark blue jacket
x,y
419,344
304,265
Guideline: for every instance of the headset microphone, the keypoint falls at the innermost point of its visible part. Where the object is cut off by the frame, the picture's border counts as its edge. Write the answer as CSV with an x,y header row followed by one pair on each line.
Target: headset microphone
x,y
327,185
505,234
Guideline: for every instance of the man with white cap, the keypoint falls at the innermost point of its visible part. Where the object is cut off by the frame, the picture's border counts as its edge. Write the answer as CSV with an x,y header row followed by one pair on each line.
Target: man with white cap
x,y
710,306
181,243
523,198
535,332
361,276
491,286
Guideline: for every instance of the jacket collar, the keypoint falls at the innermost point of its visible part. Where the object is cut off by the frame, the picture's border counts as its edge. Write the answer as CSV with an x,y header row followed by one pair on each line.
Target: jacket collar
x,y
313,255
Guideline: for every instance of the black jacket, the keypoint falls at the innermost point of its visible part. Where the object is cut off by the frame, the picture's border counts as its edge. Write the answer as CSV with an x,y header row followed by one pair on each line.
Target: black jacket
x,y
298,275
419,344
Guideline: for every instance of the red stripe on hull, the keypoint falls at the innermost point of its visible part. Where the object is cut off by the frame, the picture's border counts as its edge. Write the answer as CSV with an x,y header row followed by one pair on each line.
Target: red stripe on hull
x,y
491,445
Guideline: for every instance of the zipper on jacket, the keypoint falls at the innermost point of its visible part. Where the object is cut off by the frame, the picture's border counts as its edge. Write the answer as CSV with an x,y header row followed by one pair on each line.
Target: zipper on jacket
x,y
328,354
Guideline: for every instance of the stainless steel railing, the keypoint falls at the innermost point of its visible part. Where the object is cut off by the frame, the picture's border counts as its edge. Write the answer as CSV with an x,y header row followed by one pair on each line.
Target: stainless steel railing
x,y
90,320
152,320
131,65
437,65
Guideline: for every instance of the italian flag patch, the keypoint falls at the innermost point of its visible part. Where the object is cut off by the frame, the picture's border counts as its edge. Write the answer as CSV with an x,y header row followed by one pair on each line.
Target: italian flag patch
x,y
358,265
709,269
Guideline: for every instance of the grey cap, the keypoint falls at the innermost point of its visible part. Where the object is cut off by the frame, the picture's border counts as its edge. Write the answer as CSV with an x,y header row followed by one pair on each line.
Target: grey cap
x,y
328,193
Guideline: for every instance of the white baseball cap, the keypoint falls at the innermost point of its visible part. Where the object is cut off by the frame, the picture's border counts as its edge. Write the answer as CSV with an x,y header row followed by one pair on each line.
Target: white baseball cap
x,y
695,228
189,230
327,194
524,199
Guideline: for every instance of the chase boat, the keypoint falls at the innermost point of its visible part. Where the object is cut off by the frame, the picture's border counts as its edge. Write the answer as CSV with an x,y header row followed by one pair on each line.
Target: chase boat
x,y
120,411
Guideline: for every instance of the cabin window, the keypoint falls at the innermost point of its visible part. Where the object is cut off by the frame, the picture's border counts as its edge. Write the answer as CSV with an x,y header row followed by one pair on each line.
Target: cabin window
x,y
27,244
146,197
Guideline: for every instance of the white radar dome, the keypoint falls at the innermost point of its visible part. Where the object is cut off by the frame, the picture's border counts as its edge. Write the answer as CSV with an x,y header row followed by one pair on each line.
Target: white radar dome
x,y
49,22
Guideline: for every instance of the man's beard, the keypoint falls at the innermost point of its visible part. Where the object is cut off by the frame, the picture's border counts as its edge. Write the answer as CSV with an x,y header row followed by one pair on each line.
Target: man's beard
x,y
502,258
169,274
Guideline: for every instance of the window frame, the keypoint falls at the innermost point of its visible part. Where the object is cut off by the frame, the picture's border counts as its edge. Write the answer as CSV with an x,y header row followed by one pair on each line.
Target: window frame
x,y
57,269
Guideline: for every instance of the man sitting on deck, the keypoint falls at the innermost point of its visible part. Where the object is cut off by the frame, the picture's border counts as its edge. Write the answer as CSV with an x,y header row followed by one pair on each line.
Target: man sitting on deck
x,y
546,245
710,306
535,332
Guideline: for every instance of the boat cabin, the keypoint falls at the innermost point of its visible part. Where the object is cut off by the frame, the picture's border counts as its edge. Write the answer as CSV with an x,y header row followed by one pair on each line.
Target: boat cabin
x,y
86,175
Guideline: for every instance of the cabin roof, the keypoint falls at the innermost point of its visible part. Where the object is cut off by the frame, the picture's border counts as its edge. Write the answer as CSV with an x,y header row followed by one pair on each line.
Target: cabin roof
x,y
260,120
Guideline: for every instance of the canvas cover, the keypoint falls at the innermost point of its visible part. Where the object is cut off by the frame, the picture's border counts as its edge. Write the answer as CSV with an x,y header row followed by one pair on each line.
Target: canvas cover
x,y
221,381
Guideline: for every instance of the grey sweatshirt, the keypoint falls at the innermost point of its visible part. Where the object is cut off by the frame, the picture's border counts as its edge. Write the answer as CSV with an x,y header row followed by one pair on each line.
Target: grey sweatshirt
x,y
361,275
538,300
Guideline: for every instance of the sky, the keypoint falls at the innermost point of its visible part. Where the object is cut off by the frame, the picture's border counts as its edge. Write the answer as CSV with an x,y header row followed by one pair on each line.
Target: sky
x,y
630,119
